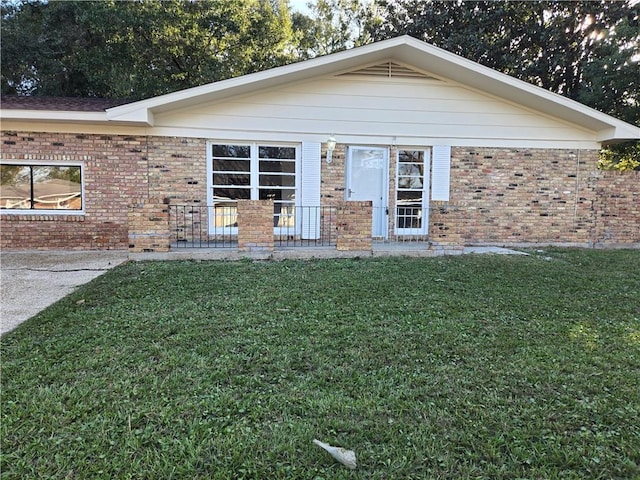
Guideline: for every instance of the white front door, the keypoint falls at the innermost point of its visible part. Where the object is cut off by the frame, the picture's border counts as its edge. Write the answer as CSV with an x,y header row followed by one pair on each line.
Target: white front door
x,y
367,179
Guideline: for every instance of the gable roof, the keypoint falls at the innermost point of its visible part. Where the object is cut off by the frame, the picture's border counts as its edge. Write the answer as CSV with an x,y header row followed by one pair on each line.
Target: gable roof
x,y
402,50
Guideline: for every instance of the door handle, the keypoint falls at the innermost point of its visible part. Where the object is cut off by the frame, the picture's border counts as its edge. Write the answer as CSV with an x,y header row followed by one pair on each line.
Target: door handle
x,y
350,192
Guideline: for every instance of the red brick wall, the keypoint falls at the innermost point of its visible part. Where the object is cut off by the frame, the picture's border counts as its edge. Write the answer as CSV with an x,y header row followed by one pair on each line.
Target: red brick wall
x,y
118,171
501,196
515,196
177,170
148,226
616,208
178,175
115,171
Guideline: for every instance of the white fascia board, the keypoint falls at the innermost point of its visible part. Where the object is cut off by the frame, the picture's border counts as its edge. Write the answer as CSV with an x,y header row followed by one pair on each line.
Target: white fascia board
x,y
53,115
373,139
137,116
619,133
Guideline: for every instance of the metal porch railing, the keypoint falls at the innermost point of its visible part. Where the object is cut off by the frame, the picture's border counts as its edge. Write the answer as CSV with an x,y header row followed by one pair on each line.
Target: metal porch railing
x,y
294,226
306,227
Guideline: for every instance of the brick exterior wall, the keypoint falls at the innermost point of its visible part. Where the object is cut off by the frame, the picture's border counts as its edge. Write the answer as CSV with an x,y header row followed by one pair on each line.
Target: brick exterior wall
x,y
516,196
177,170
118,170
354,226
511,196
115,171
498,196
255,225
616,208
148,226
332,182
178,176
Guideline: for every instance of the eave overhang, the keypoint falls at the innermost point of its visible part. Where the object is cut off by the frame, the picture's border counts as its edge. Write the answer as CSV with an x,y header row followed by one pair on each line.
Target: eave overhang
x,y
54,116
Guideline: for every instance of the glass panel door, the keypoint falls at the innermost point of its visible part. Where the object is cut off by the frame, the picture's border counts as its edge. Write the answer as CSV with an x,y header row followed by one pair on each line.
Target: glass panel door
x,y
367,173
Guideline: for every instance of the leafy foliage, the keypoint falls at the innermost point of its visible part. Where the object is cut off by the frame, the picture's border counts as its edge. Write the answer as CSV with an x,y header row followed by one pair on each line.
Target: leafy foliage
x,y
487,367
137,49
334,25
572,48
624,157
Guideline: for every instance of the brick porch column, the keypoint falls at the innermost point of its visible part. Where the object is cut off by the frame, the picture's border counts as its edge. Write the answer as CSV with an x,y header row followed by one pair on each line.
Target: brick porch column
x,y
354,226
255,225
148,226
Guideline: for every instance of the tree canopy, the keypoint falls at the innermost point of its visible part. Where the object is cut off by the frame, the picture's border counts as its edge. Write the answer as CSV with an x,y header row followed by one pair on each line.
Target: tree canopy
x,y
586,50
138,49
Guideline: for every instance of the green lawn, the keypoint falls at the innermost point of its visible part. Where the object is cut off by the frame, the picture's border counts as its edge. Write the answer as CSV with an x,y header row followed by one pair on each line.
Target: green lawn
x,y
453,367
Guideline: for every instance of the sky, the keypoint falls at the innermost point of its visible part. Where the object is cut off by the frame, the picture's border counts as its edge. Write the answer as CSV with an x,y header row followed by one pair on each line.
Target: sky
x,y
300,6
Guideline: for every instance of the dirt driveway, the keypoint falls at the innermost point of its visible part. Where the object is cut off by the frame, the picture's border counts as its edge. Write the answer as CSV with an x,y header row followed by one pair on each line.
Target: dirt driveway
x,y
31,281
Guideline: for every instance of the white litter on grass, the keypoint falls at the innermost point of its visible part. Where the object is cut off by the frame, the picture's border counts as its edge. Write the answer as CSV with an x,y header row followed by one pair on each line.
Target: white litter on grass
x,y
345,457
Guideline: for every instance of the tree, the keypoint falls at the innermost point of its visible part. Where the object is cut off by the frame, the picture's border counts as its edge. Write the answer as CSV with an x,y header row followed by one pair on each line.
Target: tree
x,y
334,25
138,49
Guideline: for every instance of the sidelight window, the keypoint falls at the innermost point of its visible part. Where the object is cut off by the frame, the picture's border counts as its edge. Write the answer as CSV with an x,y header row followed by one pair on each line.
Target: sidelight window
x,y
412,184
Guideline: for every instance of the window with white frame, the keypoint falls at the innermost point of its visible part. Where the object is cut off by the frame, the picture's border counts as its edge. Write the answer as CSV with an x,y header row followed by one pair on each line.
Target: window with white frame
x,y
412,184
252,171
41,187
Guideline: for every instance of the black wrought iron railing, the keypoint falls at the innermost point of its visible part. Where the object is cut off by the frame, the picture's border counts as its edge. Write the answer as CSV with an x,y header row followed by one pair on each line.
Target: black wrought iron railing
x,y
306,227
402,225
189,228
202,226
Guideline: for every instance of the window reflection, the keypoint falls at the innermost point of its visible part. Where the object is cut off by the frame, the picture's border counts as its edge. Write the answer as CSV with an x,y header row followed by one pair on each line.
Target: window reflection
x,y
41,187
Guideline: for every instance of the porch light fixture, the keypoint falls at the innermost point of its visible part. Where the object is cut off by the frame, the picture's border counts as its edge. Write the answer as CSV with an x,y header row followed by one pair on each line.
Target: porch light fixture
x,y
331,146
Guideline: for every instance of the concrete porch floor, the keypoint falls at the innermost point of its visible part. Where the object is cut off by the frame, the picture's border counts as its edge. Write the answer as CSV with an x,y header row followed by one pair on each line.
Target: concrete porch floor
x,y
412,249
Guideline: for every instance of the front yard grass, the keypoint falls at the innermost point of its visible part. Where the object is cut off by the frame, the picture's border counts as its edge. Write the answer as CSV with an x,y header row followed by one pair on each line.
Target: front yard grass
x,y
457,367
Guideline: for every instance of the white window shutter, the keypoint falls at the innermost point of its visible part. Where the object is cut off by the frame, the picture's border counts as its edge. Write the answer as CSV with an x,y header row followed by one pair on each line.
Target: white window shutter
x,y
440,172
309,215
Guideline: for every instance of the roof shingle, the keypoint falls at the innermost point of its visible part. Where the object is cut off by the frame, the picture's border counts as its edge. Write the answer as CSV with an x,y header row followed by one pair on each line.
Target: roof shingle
x,y
71,104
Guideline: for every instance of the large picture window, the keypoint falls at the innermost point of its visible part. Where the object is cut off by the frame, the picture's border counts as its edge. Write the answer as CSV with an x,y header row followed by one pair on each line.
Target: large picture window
x,y
41,187
252,172
411,191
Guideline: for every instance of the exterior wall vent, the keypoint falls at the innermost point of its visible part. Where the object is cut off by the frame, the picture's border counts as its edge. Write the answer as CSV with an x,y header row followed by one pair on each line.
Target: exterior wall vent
x,y
389,70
